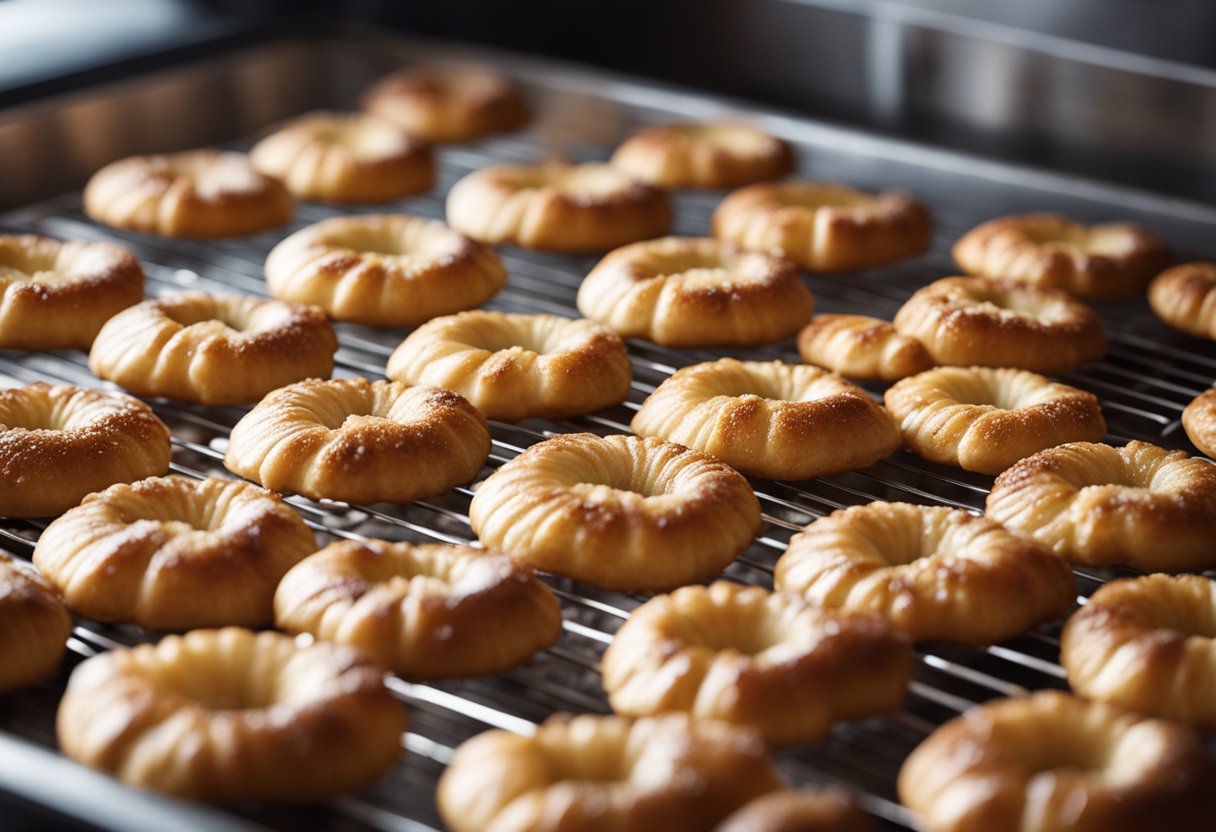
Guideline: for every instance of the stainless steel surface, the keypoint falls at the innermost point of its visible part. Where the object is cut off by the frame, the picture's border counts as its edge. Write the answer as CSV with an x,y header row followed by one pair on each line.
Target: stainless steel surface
x,y
1144,382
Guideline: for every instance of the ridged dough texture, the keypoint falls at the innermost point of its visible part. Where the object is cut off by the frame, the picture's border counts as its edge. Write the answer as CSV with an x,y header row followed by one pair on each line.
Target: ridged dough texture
x,y
555,206
34,625
605,772
748,656
172,553
224,715
56,295
857,346
515,367
383,269
825,227
703,155
1051,762
830,809
1185,298
345,157
1102,262
213,349
1139,505
769,419
617,512
1147,644
984,419
696,292
360,441
977,321
428,611
59,443
442,104
939,574
1199,422
198,193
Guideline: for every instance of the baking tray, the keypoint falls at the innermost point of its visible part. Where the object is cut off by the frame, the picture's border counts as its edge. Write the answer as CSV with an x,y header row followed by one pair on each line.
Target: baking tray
x,y
1148,376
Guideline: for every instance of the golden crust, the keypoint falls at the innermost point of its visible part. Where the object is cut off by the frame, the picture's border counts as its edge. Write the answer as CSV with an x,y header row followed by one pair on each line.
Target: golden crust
x,y
769,419
224,715
605,772
1139,505
985,420
213,349
1185,298
1199,421
618,512
172,553
360,441
57,295
557,207
823,227
345,157
977,321
514,367
937,573
383,269
1091,261
428,611
59,443
198,193
1103,770
696,292
857,346
709,155
752,657
447,105
34,625
803,810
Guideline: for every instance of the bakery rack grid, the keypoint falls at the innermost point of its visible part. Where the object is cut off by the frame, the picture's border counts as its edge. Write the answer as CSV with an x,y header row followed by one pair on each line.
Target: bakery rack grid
x,y
1146,379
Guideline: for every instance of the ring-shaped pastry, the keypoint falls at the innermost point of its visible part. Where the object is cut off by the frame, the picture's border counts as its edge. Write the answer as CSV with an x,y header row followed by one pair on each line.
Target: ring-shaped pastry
x,y
441,104
857,346
800,810
1185,298
710,155
1199,422
34,625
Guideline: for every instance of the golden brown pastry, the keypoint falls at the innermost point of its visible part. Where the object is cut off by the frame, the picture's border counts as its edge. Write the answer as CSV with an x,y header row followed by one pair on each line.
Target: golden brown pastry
x,y
588,773
223,715
985,420
198,193
801,810
695,292
429,611
709,155
1090,261
769,419
1185,298
383,269
360,441
939,574
172,553
447,105
753,657
1199,422
975,321
213,349
56,296
857,346
617,512
1051,762
1139,505
823,227
34,625
59,443
557,207
514,367
345,157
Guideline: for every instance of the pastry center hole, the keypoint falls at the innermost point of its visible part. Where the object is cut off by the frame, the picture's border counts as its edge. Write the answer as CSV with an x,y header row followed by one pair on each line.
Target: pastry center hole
x,y
194,314
212,684
415,244
742,632
824,198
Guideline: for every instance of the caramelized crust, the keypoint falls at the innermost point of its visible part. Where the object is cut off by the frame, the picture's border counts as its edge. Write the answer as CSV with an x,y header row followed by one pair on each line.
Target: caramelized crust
x,y
428,611
1185,298
939,574
823,227
604,772
223,715
1199,421
557,207
617,512
1091,261
803,810
171,553
985,420
59,443
383,269
447,105
769,419
213,349
514,367
703,156
752,657
857,346
694,292
1139,505
34,625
